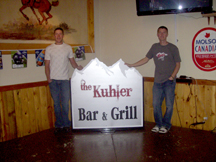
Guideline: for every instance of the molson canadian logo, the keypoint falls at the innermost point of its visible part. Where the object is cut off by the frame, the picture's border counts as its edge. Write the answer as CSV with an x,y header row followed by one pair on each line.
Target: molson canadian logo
x,y
204,49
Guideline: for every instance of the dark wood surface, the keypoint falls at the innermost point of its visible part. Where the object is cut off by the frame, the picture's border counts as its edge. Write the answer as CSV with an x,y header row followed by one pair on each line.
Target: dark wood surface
x,y
179,144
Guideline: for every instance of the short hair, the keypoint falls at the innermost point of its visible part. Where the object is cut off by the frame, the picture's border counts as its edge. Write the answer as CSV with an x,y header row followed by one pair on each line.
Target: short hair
x,y
163,27
59,29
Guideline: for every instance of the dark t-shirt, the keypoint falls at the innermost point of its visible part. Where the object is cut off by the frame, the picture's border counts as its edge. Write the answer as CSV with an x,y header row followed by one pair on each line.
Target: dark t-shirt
x,y
165,59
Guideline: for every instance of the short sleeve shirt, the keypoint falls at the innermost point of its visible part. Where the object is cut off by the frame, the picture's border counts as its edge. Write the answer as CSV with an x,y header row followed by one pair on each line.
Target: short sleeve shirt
x,y
59,58
165,59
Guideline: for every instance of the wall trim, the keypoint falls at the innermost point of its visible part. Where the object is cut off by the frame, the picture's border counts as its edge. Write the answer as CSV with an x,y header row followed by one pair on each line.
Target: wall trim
x,y
146,79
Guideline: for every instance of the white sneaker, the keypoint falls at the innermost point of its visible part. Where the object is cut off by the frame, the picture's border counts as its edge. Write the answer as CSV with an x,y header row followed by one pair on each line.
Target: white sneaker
x,y
155,129
163,130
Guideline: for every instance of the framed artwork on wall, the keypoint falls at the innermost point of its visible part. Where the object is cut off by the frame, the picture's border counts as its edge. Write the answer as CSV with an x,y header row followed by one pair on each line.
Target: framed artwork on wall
x,y
29,24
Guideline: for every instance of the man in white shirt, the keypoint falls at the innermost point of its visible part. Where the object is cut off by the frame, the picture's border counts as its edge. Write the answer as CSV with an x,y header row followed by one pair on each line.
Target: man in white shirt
x,y
57,57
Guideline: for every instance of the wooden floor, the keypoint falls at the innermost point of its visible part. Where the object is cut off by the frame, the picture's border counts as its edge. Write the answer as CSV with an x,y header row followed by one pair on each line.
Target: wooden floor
x,y
179,144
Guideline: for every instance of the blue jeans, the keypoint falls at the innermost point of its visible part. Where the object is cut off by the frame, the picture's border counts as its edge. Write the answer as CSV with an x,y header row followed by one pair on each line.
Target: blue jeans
x,y
60,92
160,91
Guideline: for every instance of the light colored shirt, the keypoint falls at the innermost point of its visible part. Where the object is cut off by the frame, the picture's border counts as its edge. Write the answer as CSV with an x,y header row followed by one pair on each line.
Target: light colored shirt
x,y
59,57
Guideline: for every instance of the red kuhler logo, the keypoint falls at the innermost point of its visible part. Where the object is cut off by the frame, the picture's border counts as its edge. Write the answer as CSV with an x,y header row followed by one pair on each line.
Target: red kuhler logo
x,y
111,91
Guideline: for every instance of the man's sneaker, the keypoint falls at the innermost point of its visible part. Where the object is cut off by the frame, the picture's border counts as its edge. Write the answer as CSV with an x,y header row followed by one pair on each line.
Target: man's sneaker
x,y
67,129
58,130
163,130
155,129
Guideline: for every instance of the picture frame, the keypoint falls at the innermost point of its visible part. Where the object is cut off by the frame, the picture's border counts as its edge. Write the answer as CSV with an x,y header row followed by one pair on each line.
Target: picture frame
x,y
30,47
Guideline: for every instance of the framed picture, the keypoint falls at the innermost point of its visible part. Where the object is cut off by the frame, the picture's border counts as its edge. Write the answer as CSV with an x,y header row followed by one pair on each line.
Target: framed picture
x,y
29,24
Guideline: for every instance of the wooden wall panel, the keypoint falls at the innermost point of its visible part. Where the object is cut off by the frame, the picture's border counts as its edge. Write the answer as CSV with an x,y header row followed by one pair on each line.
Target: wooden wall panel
x,y
201,98
22,109
8,120
181,105
148,98
44,108
37,109
18,111
28,108
1,118
209,108
192,103
10,123
50,106
25,109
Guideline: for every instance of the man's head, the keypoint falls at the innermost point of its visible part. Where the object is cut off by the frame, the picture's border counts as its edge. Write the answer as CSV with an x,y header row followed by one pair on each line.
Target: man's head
x,y
162,33
58,34
163,27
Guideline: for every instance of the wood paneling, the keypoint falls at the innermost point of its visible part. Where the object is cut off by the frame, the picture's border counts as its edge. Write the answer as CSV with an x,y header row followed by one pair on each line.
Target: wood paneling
x,y
28,108
25,109
192,103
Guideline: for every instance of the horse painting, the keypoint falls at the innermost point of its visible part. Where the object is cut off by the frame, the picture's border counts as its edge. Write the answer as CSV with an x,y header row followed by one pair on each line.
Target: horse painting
x,y
41,5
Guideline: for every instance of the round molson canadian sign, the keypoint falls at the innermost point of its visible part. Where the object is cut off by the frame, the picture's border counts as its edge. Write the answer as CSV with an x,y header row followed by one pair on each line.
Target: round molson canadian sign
x,y
204,49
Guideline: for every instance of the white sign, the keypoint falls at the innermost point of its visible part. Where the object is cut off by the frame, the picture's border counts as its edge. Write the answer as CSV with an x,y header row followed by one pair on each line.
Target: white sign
x,y
106,97
204,49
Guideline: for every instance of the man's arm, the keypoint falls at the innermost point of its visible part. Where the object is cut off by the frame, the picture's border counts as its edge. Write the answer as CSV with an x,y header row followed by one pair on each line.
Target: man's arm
x,y
47,70
74,64
138,63
177,67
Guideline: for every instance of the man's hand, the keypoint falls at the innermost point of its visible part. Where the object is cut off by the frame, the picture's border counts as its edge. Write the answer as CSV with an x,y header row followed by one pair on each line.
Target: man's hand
x,y
79,67
129,65
49,80
171,78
